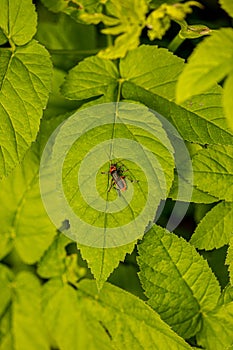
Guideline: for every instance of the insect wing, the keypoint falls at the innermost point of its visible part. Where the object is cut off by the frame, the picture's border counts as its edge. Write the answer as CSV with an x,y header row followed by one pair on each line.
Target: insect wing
x,y
119,181
115,176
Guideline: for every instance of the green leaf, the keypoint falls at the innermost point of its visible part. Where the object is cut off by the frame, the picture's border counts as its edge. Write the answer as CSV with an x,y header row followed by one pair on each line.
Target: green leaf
x,y
113,316
215,229
27,323
65,311
53,262
177,280
149,161
213,170
103,261
21,327
229,259
18,20
25,223
3,38
123,315
193,31
227,5
159,20
6,338
56,263
210,63
201,210
126,19
92,77
226,295
6,278
150,75
24,87
198,196
216,331
132,123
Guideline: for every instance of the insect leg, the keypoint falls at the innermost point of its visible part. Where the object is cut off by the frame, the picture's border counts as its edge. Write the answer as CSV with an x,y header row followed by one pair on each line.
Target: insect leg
x,y
111,185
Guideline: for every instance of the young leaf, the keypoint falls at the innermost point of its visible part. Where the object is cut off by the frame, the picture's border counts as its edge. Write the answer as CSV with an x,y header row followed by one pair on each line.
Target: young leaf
x,y
215,323
18,20
149,75
159,20
114,317
25,223
103,261
210,63
213,170
27,326
24,87
92,77
227,5
127,19
215,229
177,280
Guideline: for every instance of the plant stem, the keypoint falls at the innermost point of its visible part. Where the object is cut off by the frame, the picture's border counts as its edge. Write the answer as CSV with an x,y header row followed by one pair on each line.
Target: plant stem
x,y
73,52
175,43
109,40
120,81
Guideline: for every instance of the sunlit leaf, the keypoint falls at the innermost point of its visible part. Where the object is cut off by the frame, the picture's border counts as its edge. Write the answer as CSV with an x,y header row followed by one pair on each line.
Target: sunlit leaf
x,y
177,280
113,315
24,87
215,229
200,119
18,20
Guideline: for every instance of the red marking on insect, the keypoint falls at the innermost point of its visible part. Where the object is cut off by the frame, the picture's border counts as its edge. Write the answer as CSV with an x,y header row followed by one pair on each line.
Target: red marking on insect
x,y
117,177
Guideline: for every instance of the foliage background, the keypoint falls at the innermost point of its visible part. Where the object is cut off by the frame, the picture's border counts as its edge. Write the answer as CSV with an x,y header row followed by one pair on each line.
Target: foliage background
x,y
170,290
